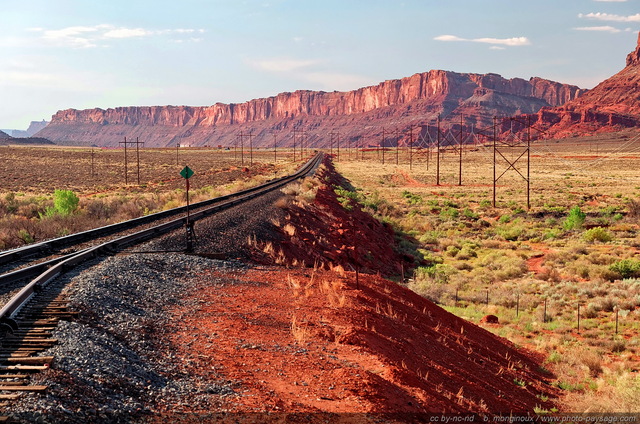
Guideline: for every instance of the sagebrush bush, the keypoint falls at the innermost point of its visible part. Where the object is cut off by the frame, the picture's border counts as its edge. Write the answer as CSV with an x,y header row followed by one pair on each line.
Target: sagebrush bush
x,y
597,234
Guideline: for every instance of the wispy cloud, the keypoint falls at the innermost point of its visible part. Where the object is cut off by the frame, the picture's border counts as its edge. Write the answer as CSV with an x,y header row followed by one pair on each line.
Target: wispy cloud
x,y
338,81
82,37
605,28
282,64
598,16
514,41
311,71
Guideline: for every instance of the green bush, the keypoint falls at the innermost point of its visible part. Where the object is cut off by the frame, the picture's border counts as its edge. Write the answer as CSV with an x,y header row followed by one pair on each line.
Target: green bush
x,y
575,219
65,202
627,268
449,214
510,232
504,219
468,213
439,273
597,234
412,199
484,204
347,198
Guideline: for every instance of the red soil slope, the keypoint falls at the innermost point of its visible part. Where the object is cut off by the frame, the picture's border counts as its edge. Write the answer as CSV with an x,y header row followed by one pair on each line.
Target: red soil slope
x,y
306,341
326,234
301,341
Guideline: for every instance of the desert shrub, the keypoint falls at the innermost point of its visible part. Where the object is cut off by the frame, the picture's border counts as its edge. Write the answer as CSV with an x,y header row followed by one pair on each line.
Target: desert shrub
x,y
597,234
431,237
449,214
65,202
510,232
437,293
504,219
347,198
468,213
485,204
575,219
452,251
552,233
627,268
412,199
634,208
438,273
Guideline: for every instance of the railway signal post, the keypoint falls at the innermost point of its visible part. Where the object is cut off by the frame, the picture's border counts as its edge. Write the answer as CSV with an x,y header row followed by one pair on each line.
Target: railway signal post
x,y
187,173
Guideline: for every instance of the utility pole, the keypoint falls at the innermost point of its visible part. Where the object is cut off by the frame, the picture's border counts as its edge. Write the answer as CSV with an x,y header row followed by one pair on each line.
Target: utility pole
x,y
294,144
126,179
397,146
138,158
495,149
275,153
460,145
126,161
438,154
383,137
410,146
92,160
250,135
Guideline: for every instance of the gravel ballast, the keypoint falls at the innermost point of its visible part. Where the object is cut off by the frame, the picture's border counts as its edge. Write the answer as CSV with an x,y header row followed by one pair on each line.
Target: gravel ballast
x,y
113,363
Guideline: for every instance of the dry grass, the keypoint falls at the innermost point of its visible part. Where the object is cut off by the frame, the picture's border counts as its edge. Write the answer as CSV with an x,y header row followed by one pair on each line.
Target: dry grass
x,y
471,247
299,330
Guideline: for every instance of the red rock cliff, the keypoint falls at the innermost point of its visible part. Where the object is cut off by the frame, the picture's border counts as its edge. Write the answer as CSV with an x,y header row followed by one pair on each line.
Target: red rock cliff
x,y
415,99
612,105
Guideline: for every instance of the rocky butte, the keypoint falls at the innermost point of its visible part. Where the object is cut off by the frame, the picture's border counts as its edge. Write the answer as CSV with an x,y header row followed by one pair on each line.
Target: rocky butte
x,y
612,105
358,116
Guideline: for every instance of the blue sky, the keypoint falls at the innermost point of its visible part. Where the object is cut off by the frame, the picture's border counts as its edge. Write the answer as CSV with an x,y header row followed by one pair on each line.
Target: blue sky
x,y
59,54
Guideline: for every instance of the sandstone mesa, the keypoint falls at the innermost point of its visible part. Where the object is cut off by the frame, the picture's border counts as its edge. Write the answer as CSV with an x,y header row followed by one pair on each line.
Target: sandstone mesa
x,y
467,99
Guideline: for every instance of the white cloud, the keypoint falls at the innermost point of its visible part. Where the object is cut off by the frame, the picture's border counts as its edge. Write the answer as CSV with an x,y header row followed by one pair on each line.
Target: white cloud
x,y
605,28
497,48
447,37
94,36
610,17
514,41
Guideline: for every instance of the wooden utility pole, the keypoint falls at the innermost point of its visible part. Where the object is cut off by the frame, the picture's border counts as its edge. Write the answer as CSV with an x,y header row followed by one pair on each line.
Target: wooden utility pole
x,y
383,139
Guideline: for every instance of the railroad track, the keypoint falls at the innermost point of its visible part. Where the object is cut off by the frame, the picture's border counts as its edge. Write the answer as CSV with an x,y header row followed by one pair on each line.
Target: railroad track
x,y
27,320
40,256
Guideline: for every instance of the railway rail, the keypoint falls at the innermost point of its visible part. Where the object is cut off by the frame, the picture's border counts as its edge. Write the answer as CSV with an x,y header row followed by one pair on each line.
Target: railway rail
x,y
26,321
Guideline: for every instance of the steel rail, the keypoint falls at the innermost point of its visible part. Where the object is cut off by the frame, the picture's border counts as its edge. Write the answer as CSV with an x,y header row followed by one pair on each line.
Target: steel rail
x,y
48,246
17,302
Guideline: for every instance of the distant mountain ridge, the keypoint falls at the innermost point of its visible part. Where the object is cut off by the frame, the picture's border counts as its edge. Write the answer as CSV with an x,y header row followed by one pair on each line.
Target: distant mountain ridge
x,y
358,115
34,127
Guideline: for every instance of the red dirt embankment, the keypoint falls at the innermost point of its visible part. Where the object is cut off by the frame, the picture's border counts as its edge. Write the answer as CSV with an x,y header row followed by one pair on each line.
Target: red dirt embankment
x,y
302,340
324,234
